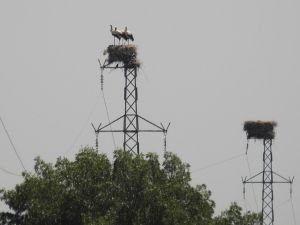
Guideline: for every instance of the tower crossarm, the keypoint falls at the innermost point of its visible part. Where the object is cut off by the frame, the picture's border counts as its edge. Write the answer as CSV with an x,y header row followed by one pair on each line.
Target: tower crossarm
x,y
252,179
156,128
289,180
160,128
281,180
103,128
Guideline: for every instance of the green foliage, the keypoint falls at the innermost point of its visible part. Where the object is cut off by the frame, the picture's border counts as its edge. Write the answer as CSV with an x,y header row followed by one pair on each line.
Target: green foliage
x,y
61,194
132,190
234,216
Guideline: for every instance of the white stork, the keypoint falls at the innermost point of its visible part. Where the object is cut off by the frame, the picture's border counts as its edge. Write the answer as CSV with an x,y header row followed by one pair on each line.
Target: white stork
x,y
116,33
124,36
128,35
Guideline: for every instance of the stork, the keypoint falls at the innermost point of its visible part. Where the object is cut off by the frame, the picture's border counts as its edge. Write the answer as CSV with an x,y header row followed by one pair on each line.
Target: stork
x,y
128,35
116,33
124,36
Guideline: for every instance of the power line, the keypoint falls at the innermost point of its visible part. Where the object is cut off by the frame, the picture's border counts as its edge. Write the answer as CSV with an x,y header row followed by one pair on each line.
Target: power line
x,y
82,128
217,163
87,122
252,185
106,107
245,205
282,203
12,144
225,161
108,118
9,172
293,211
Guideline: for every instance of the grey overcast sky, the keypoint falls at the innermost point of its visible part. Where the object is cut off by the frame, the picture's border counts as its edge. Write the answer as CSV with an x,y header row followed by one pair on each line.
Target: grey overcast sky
x,y
208,65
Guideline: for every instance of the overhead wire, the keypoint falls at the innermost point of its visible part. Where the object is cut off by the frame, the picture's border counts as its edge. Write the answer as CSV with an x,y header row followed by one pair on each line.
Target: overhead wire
x,y
108,118
12,144
245,205
87,121
217,163
106,107
282,203
9,172
225,161
252,185
293,211
145,74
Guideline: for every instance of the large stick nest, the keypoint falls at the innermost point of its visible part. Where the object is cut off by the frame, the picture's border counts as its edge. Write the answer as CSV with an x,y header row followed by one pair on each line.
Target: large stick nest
x,y
260,129
125,54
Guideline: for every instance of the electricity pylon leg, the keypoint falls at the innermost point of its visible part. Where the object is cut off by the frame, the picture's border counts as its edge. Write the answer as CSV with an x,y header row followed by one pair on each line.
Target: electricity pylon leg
x,y
267,195
131,120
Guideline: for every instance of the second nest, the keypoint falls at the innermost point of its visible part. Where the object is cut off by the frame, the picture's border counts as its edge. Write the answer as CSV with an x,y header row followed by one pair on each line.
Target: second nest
x,y
125,54
260,129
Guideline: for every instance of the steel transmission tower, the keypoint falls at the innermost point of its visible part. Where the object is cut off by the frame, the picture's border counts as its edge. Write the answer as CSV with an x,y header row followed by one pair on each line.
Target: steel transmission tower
x,y
264,131
131,118
267,193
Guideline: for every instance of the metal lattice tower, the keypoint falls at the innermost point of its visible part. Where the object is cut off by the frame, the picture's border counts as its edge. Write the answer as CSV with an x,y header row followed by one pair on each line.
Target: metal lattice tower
x,y
267,193
131,118
267,181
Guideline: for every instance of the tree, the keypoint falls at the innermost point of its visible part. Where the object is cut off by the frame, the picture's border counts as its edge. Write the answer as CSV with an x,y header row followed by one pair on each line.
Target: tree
x,y
234,216
60,194
132,190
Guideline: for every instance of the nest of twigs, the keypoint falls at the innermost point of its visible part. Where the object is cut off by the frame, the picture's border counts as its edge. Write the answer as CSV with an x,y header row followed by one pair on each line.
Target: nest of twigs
x,y
125,54
260,129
